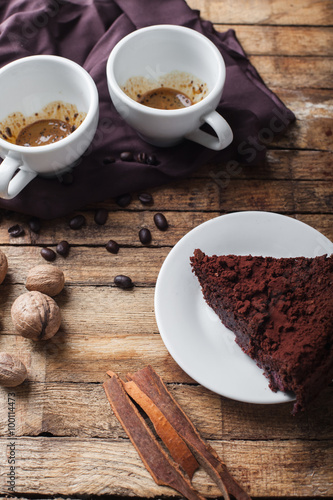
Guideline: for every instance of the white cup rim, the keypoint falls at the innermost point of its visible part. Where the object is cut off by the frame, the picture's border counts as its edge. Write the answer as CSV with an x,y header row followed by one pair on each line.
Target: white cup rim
x,y
86,123
165,112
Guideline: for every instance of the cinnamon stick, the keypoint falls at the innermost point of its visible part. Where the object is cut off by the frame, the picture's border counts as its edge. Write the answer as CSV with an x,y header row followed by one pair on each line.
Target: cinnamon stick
x,y
152,385
175,444
163,470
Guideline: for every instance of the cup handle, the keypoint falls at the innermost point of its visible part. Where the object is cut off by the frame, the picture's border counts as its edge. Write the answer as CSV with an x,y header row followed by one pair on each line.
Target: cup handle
x,y
221,128
11,184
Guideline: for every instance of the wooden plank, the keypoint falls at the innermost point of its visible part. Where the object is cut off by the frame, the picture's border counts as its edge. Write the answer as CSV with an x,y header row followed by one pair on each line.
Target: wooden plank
x,y
313,127
279,12
114,311
314,197
100,466
283,40
245,191
308,104
275,196
280,164
100,267
120,354
314,133
86,357
295,72
302,165
278,196
201,195
50,408
122,226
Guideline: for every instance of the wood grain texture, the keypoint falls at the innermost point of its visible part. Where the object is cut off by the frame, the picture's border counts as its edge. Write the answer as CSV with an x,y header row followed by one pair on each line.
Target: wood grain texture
x,y
295,72
282,40
98,311
313,126
289,164
50,408
104,266
86,357
279,12
299,468
100,267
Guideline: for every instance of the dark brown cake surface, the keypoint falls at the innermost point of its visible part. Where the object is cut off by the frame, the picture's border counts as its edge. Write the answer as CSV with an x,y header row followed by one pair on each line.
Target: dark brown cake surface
x,y
281,311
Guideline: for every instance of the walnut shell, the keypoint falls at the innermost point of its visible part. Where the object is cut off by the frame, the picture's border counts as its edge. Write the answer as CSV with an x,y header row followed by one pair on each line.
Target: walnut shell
x,y
12,371
45,278
36,316
3,266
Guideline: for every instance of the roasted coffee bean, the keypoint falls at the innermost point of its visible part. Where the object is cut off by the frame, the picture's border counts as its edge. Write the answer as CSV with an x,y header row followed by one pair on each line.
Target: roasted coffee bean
x,y
151,160
16,231
48,254
112,246
161,222
63,248
145,236
77,222
108,160
34,224
126,156
142,157
124,200
145,198
123,281
101,216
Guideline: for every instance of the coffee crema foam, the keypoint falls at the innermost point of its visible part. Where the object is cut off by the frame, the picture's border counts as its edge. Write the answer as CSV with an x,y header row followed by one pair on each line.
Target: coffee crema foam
x,y
11,126
136,86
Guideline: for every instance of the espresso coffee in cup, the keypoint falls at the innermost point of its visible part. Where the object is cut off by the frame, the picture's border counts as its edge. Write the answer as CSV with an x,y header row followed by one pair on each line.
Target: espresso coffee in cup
x,y
42,132
141,65
36,89
54,122
174,90
165,98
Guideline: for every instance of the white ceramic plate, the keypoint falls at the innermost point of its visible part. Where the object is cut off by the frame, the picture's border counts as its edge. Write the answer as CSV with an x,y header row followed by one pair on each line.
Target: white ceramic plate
x,y
192,333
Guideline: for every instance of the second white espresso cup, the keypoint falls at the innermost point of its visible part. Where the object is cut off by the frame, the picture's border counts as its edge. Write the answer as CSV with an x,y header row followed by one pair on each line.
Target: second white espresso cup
x,y
27,86
159,50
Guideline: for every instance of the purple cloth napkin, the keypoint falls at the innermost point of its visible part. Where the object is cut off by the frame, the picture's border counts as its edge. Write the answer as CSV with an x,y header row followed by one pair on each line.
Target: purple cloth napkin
x,y
86,31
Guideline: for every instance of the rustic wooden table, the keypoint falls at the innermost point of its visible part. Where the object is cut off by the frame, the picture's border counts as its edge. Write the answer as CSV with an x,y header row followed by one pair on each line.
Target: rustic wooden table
x,y
67,441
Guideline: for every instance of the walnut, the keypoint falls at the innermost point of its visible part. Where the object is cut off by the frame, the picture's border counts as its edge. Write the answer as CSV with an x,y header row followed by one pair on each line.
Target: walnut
x,y
12,371
36,316
3,266
45,278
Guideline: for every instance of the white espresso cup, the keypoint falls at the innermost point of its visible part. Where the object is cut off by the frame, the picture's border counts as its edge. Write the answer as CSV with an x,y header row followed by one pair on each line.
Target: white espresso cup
x,y
159,50
27,86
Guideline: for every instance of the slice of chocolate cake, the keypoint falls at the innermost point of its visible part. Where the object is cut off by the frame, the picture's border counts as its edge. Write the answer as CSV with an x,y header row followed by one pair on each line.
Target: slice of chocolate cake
x,y
281,311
